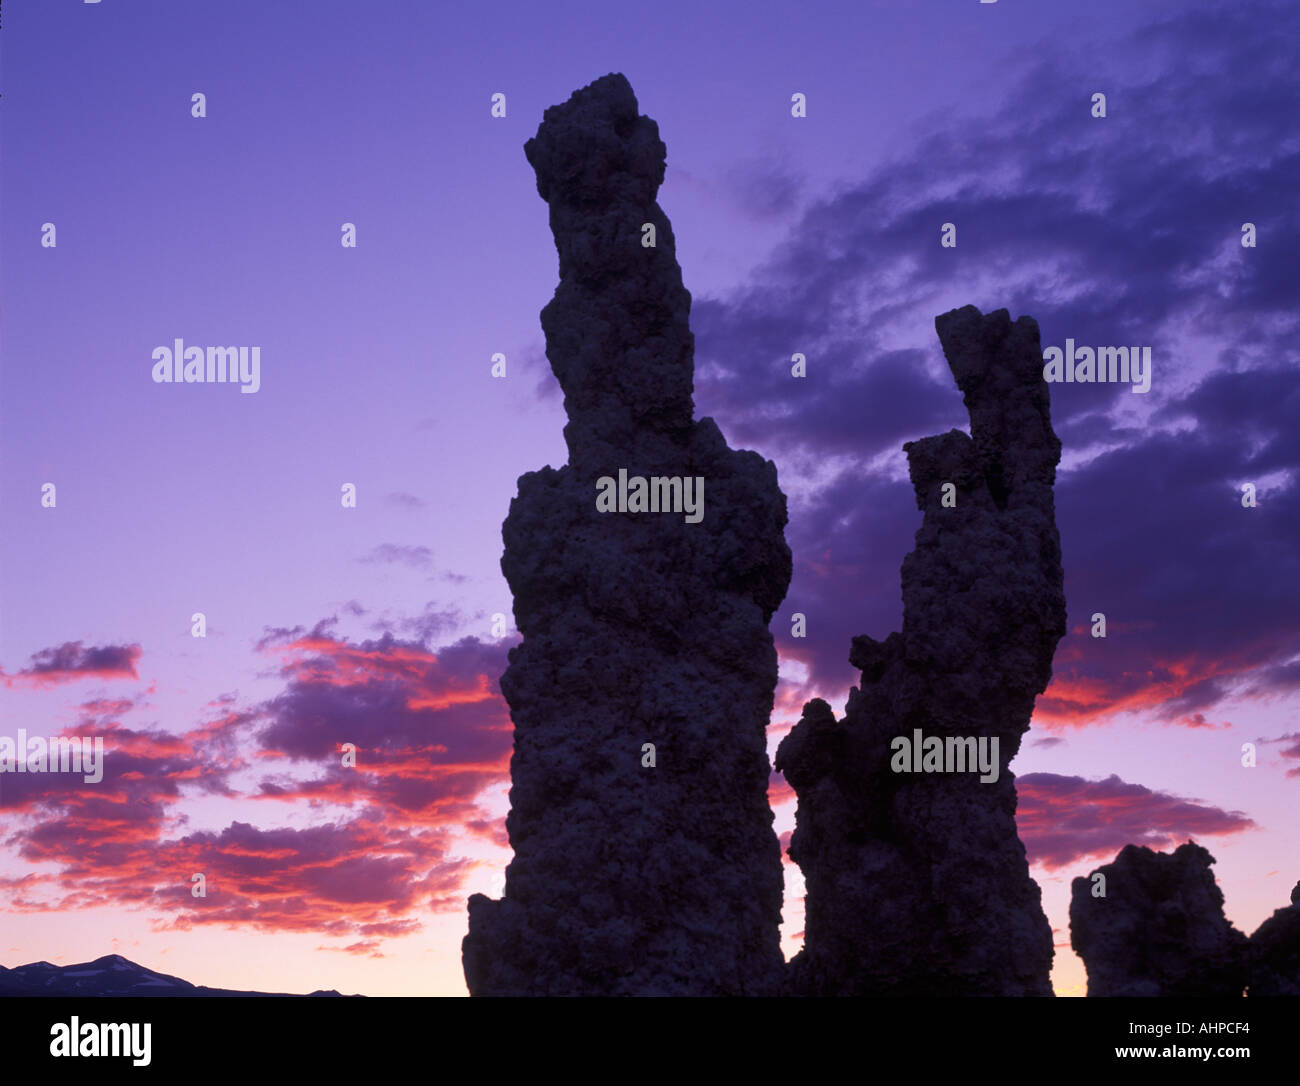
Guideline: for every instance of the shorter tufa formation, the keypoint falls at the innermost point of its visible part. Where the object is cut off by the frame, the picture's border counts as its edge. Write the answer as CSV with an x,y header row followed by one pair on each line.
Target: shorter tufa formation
x,y
1159,930
917,882
1275,952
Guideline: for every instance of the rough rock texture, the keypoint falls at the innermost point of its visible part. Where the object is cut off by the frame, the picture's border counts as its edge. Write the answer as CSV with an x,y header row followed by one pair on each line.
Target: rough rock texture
x,y
1275,952
1160,929
917,884
637,628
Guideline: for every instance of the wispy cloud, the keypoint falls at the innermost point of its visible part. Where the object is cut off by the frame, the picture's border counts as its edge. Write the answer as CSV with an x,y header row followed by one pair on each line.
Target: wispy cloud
x,y
414,556
1066,819
72,661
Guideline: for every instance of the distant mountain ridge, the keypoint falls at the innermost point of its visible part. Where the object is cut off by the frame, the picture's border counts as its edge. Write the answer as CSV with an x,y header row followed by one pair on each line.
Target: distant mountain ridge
x,y
111,975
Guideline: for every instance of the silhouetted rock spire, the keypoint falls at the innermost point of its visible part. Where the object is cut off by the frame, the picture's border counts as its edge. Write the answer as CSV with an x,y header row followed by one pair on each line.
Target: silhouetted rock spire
x,y
1160,928
1275,952
638,627
917,883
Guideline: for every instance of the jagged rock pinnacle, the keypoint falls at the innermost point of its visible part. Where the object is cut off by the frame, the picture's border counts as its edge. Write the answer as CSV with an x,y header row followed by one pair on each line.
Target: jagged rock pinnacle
x,y
1159,930
638,627
917,883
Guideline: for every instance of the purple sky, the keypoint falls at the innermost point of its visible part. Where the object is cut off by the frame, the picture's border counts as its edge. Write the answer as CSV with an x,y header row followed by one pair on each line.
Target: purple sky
x,y
819,235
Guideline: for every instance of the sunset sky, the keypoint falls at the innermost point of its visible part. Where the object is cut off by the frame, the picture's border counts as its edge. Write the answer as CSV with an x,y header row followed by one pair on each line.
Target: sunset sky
x,y
820,235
